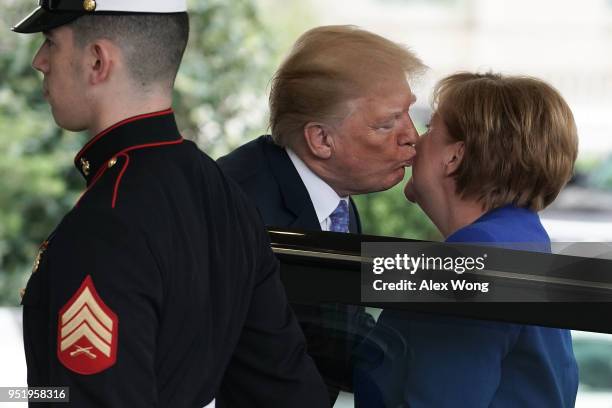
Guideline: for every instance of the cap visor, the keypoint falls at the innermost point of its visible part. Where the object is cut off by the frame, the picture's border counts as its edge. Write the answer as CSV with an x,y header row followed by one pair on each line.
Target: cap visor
x,y
43,20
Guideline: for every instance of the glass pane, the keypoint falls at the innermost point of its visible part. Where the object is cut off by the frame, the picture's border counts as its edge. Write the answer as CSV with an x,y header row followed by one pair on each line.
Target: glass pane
x,y
534,358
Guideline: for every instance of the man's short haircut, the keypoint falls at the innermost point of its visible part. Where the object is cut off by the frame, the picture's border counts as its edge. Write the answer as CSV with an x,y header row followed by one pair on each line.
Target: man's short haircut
x,y
519,134
153,44
327,67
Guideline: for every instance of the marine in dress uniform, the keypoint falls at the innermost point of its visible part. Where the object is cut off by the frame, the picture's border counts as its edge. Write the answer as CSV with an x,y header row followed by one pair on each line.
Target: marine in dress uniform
x,y
159,288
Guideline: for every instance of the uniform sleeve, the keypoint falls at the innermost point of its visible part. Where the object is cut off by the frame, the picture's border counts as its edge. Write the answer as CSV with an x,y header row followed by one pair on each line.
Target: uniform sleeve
x,y
270,366
431,361
104,296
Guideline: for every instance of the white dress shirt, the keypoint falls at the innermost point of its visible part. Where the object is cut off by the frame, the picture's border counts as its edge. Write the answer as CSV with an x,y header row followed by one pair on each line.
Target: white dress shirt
x,y
323,197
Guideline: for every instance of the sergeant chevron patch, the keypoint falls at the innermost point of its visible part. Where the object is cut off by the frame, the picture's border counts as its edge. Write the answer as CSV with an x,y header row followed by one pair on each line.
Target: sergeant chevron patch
x,y
87,332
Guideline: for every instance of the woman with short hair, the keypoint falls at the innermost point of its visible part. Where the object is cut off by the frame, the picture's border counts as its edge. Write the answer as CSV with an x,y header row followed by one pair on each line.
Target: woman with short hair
x,y
493,142
498,149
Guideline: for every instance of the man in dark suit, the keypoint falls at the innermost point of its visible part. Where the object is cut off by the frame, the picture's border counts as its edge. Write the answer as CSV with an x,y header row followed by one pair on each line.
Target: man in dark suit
x,y
266,173
340,126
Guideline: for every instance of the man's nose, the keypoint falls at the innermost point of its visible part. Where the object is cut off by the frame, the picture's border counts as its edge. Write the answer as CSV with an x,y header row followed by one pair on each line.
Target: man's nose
x,y
41,61
409,134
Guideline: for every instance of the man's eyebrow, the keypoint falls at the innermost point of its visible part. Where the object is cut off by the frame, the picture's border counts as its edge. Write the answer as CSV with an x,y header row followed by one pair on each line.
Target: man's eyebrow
x,y
391,115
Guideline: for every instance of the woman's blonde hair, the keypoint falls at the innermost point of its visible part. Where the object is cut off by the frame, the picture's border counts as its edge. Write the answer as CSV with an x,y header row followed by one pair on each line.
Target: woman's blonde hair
x,y
327,67
519,134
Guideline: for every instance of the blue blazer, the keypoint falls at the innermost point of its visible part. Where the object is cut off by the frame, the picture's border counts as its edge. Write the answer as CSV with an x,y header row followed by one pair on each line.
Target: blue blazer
x,y
439,361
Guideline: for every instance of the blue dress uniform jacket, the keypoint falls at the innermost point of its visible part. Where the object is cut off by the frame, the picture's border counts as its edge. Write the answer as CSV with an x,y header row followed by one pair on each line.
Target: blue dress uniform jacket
x,y
160,285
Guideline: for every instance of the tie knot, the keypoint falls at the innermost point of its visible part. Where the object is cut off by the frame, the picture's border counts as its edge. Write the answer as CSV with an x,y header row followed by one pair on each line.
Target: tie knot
x,y
340,218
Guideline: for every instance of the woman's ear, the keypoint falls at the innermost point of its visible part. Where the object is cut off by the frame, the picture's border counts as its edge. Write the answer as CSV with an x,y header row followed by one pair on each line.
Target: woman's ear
x,y
318,139
454,157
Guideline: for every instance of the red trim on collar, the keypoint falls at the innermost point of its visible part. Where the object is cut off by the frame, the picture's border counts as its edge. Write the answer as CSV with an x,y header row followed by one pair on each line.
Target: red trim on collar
x,y
142,146
124,152
93,182
127,162
116,125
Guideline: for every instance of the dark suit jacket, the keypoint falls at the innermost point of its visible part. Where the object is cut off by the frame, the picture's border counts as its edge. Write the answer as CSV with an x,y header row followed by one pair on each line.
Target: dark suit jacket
x,y
265,172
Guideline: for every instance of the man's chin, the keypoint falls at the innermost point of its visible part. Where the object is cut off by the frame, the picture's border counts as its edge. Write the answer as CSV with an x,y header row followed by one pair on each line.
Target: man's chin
x,y
397,178
409,191
68,125
382,183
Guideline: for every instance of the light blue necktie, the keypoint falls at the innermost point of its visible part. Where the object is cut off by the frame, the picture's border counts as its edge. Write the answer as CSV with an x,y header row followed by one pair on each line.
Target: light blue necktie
x,y
340,218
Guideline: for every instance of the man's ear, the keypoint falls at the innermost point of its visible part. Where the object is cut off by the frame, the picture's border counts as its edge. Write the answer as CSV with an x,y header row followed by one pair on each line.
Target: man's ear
x,y
455,152
318,139
100,60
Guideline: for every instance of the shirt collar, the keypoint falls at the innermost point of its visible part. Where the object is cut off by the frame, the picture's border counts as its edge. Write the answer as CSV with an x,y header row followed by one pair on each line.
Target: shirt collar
x,y
323,197
150,129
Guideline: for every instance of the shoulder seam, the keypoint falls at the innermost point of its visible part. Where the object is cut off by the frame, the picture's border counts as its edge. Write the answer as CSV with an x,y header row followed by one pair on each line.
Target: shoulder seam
x,y
119,177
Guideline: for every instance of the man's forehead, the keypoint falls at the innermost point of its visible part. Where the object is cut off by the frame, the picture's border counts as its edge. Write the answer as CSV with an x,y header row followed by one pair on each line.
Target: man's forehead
x,y
385,88
378,106
56,32
390,98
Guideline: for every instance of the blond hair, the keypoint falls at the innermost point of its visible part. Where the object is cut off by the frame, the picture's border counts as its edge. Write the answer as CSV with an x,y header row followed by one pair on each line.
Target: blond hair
x,y
519,134
327,67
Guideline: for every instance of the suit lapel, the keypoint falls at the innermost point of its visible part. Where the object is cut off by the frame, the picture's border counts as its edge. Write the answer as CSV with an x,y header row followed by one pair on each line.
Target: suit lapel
x,y
292,188
354,221
294,192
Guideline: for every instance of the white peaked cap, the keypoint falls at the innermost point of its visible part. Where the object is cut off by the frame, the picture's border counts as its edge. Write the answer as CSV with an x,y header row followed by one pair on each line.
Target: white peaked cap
x,y
54,13
142,6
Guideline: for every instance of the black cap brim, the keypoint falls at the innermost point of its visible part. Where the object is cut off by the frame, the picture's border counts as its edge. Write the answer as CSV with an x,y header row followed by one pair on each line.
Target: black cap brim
x,y
43,20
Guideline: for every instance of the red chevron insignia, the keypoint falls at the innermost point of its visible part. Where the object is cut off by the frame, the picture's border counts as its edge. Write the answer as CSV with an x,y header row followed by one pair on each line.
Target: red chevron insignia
x,y
87,332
